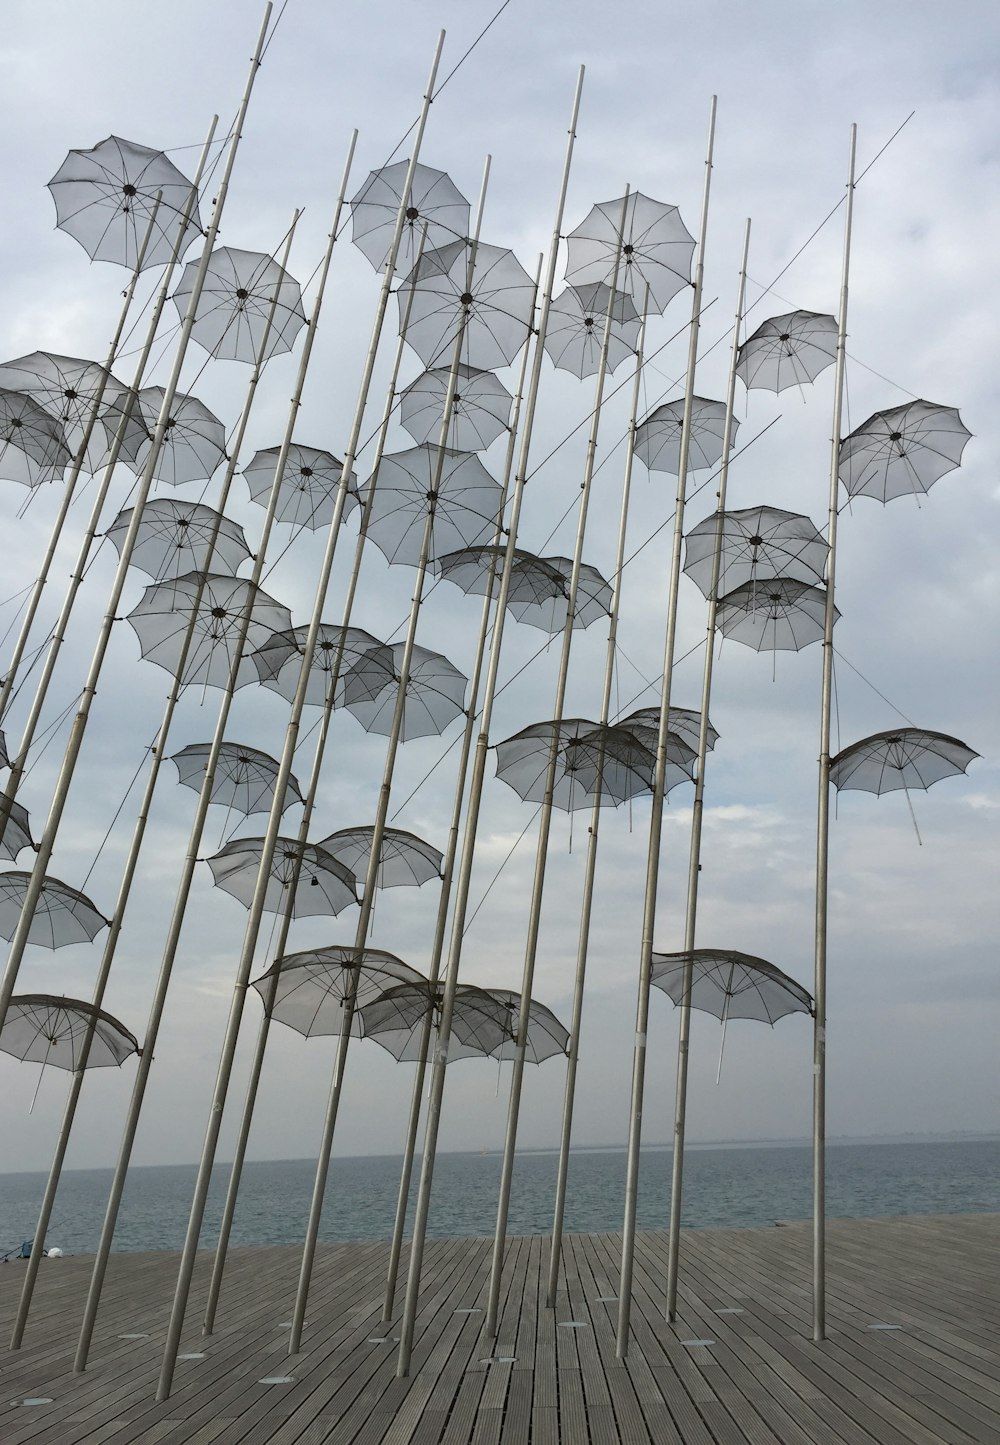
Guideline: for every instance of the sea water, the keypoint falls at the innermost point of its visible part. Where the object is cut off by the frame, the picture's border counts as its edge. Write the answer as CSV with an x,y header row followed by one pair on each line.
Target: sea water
x,y
723,1187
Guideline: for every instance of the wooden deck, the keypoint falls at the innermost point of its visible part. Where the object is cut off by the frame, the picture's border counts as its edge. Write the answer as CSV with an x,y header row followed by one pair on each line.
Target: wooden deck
x,y
912,1357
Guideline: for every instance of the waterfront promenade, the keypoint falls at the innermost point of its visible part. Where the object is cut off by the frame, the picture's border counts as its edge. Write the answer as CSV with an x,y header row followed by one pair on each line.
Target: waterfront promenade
x,y
738,1366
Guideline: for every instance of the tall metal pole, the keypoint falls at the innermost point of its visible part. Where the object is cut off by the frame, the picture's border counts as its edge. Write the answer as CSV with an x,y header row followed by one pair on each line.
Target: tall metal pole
x,y
656,818
138,835
697,814
823,798
476,785
545,817
569,1088
281,783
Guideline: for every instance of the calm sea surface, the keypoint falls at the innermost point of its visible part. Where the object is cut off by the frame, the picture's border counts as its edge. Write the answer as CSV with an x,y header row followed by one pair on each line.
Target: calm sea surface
x,y
723,1187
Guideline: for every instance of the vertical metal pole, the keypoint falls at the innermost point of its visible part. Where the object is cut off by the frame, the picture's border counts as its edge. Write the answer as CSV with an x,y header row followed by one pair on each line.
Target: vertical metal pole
x,y
823,798
476,785
656,819
281,783
694,856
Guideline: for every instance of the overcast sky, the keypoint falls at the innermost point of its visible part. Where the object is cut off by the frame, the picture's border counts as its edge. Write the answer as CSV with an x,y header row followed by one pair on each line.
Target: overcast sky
x,y
913,980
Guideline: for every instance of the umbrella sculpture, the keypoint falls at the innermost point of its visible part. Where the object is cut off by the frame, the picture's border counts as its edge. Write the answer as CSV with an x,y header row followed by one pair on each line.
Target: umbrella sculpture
x,y
15,832
466,502
32,443
788,350
656,253
310,481
481,1023
105,198
757,542
585,753
67,387
313,988
63,915
45,1029
539,587
493,314
575,333
684,722
658,439
194,441
175,537
237,304
404,859
338,650
434,203
244,777
545,1037
899,758
480,408
905,449
435,692
780,614
323,886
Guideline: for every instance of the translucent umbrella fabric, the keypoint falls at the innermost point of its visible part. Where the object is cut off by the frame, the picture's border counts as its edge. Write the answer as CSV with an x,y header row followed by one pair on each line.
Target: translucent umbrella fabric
x,y
466,502
435,692
194,439
324,885
905,449
313,986
220,606
62,916
730,985
539,586
279,661
496,311
682,721
175,537
404,859
789,350
239,291
480,410
307,493
757,543
623,765
67,387
434,202
658,438
778,615
42,1028
575,332
900,758
244,778
105,198
656,250
33,446
545,1036
480,1023
16,834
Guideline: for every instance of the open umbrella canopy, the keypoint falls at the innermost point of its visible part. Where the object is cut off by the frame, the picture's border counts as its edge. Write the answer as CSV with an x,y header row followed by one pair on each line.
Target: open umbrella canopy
x,y
899,758
68,388
62,915
32,443
194,439
480,1023
244,777
338,650
757,542
681,756
539,586
232,313
658,439
16,833
404,859
788,350
588,759
313,988
231,617
174,537
307,492
730,985
44,1029
480,408
654,244
494,313
545,1036
905,449
575,332
682,721
324,885
435,692
779,614
466,502
434,202
105,198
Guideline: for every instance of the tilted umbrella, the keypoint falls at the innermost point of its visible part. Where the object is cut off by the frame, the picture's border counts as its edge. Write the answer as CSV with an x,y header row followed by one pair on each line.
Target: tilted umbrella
x,y
777,615
243,293
175,537
279,661
480,1023
682,758
900,758
312,988
730,985
403,857
435,692
494,314
244,777
194,439
309,484
434,202
221,607
539,586
545,1036
624,767
656,250
45,1029
67,387
658,438
15,834
466,502
757,543
324,885
575,332
682,721
905,449
788,350
63,915
105,198
33,446
480,407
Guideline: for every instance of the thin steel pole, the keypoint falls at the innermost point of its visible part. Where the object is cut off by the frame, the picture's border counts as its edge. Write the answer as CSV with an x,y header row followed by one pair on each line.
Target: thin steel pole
x,y
823,798
382,810
545,817
569,1088
158,753
451,850
476,785
697,814
656,818
281,783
